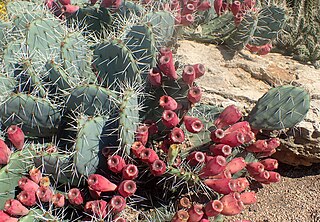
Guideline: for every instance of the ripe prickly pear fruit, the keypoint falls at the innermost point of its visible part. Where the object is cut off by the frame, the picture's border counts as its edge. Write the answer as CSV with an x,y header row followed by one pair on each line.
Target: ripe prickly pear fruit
x,y
26,184
70,9
130,172
192,124
239,184
152,127
232,204
188,9
166,66
168,103
270,164
204,6
155,77
15,208
44,194
65,2
117,204
176,135
180,216
188,74
195,213
116,163
115,4
244,128
224,174
75,196
274,177
96,207
199,70
222,186
235,7
136,148
238,18
184,202
127,188
229,116
6,218
100,183
16,136
195,158
221,149
158,168
58,200
187,19
273,143
248,197
262,177
169,119
249,4
148,155
142,134
217,135
258,146
27,197
194,94
213,208
217,4
165,51
5,153
255,168
236,164
215,166
35,175
233,139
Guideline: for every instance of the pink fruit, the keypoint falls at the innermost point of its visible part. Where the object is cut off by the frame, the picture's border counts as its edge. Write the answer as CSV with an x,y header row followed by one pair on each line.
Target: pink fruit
x,y
175,5
204,6
233,139
70,9
244,128
215,166
199,70
213,208
221,149
155,77
117,204
195,158
127,188
58,200
169,119
136,148
152,127
248,197
236,164
258,146
148,155
270,164
75,196
194,94
6,218
44,194
273,143
176,135
142,134
229,116
115,4
217,4
158,168
100,183
192,124
180,216
35,175
116,163
5,153
130,172
65,2
15,208
222,186
217,135
165,51
274,177
26,184
238,18
232,204
166,66
27,197
262,177
235,7
188,9
239,184
187,19
195,213
168,103
255,168
224,174
96,207
16,136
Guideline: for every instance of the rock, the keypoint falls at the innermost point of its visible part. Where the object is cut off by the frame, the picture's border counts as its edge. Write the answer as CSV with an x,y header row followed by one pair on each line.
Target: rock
x,y
242,80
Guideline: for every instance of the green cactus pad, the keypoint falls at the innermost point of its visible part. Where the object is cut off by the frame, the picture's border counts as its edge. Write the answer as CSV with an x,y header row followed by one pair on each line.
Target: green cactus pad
x,y
4,34
12,55
115,63
15,8
39,118
279,108
58,77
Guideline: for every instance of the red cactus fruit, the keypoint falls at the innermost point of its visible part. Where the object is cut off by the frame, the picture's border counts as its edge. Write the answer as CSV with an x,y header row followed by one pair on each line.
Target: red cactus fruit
x,y
136,148
204,220
127,188
195,158
165,51
51,148
5,153
180,216
273,143
35,175
255,168
26,184
224,174
217,135
195,213
116,163
16,136
239,184
58,200
213,208
187,19
94,194
15,208
204,6
176,135
166,66
158,168
233,139
258,146
117,204
267,153
152,127
70,9
6,218
130,172
65,2
155,77
184,202
264,50
168,103
229,116
142,134
249,3
232,205
75,196
194,94
199,70
192,124
222,186
238,18
221,149
100,183
217,4
215,166
270,164
274,177
248,197
175,5
27,197
115,4
96,207
188,9
44,194
235,7
236,164
244,128
169,119
195,3
148,155
262,177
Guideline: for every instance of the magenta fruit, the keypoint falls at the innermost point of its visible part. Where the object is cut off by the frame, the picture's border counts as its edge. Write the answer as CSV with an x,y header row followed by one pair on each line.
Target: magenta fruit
x,y
130,172
16,136
100,183
116,163
75,196
168,103
192,124
158,168
169,119
127,188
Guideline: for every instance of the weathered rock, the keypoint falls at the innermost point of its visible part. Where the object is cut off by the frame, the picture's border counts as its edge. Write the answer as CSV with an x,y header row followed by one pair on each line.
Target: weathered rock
x,y
245,78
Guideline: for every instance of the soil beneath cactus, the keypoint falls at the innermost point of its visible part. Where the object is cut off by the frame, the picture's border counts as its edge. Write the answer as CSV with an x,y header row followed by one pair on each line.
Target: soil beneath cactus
x,y
241,81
